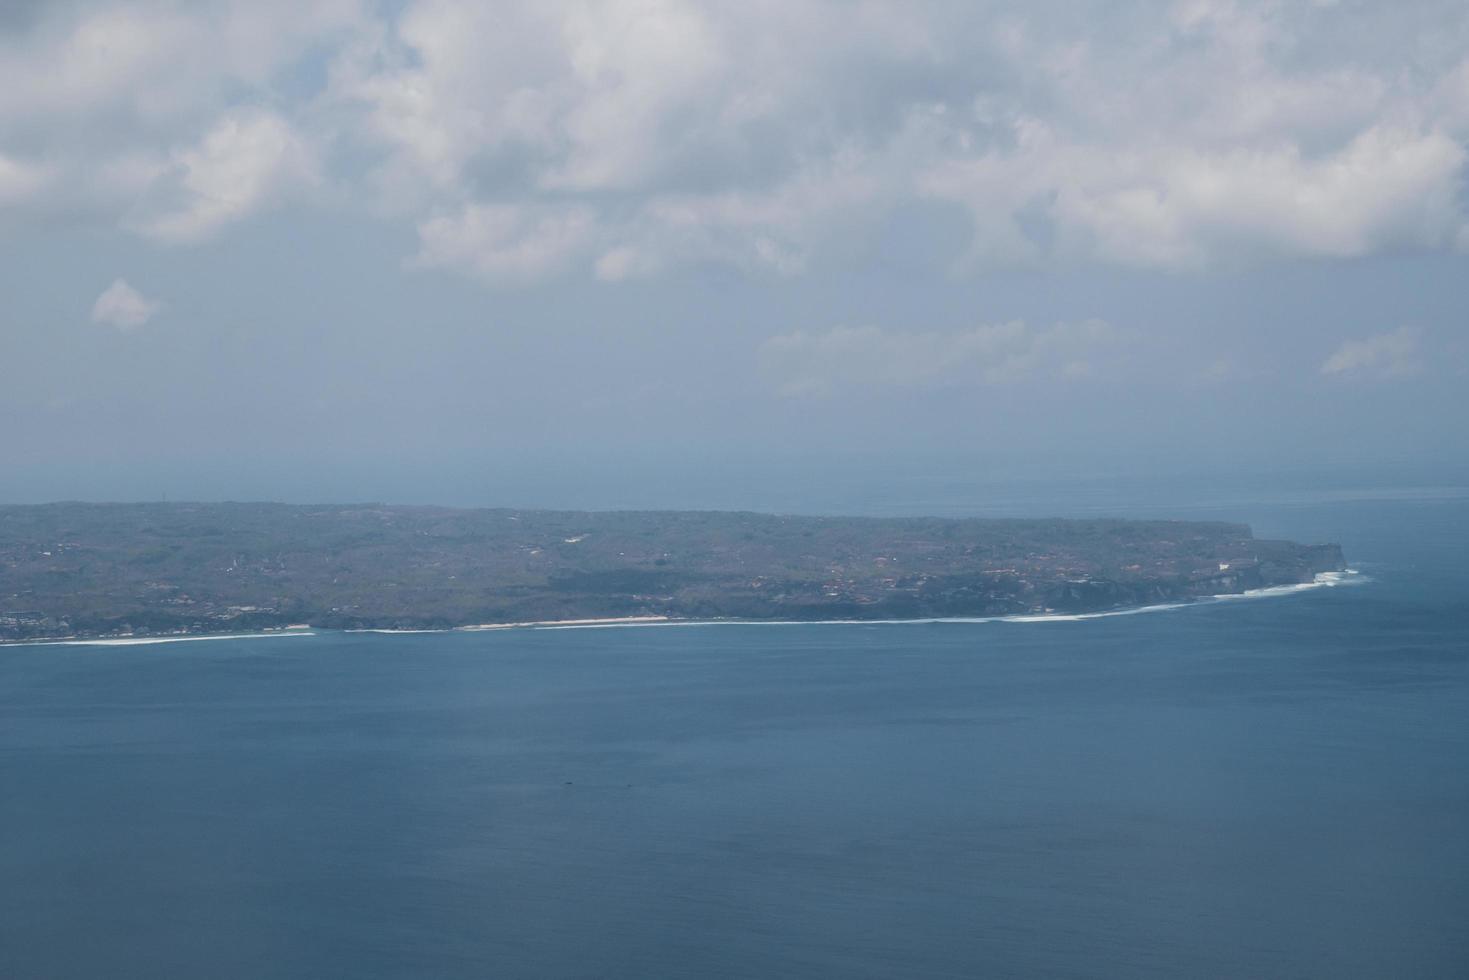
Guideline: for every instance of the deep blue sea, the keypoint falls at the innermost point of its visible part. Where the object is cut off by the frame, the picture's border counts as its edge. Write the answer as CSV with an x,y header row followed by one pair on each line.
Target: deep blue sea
x,y
1265,788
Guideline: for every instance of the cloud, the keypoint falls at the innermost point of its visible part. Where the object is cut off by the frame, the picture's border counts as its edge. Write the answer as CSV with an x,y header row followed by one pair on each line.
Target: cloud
x,y
148,63
1394,354
1221,133
503,243
245,160
1175,206
123,307
128,105
627,138
19,181
819,363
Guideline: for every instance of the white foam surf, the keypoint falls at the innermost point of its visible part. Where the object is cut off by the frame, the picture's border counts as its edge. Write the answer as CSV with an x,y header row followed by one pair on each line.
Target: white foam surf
x,y
132,641
1323,580
392,632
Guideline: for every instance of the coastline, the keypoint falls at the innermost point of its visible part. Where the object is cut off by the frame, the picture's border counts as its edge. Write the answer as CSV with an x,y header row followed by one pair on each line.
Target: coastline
x,y
1348,576
128,641
1323,580
566,623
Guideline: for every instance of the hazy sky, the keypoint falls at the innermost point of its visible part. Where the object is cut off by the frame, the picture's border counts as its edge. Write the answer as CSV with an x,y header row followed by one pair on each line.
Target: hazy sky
x,y
358,250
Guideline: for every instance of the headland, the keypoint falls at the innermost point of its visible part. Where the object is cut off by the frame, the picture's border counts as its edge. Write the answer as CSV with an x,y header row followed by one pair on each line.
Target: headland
x,y
148,570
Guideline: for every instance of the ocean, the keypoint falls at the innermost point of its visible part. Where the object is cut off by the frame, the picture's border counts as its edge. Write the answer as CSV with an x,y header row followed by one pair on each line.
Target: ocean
x,y
1275,787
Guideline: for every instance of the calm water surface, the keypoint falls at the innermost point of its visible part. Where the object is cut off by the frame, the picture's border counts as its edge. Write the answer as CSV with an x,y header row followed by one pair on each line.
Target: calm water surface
x,y
1271,788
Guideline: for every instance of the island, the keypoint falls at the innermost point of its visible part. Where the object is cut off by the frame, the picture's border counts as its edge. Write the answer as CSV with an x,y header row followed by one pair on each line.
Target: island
x,y
156,569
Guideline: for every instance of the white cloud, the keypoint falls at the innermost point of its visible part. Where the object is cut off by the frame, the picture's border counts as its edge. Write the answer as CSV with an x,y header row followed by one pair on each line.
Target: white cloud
x,y
774,230
1216,136
635,67
522,137
1177,206
123,307
129,104
151,61
503,243
1394,354
818,363
244,161
20,180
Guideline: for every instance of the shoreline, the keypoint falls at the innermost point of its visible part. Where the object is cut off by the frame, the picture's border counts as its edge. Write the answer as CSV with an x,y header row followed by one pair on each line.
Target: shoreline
x,y
566,623
128,641
1349,576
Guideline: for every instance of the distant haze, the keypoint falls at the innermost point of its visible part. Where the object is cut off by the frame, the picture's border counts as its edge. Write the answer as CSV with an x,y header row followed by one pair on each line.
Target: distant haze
x,y
651,254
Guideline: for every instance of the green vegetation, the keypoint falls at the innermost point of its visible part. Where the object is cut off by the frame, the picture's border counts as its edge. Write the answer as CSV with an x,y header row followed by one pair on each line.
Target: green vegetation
x,y
100,569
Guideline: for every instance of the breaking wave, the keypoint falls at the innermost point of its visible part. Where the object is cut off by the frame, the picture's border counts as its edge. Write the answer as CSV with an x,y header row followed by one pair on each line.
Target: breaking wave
x,y
1323,580
132,641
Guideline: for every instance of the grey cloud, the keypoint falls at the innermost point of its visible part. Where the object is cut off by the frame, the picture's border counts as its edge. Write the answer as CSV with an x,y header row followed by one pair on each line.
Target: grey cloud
x,y
615,139
506,243
127,106
1393,354
246,160
123,307
821,363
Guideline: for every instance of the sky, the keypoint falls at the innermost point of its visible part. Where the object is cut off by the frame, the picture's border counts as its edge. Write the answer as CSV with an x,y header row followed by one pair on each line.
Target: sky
x,y
529,252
